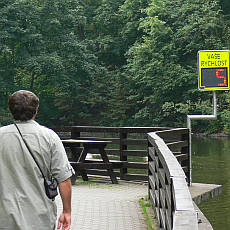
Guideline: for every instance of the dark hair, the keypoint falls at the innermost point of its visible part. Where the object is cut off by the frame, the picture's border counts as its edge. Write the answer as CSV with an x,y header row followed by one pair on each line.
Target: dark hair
x,y
23,105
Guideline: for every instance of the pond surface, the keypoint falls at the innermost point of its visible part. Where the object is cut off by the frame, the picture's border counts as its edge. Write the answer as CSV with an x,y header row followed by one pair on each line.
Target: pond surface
x,y
211,164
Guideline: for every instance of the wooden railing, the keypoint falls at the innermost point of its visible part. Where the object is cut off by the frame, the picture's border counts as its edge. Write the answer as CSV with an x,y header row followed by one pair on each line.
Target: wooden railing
x,y
168,189
129,144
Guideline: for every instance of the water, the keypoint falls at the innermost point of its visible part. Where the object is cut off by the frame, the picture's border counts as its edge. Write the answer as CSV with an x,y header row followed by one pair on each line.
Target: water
x,y
211,164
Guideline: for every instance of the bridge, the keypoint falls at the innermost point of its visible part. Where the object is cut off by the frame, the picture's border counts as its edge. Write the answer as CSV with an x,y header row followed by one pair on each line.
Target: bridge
x,y
166,170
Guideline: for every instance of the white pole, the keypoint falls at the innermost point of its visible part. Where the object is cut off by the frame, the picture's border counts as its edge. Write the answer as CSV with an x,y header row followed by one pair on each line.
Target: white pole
x,y
199,117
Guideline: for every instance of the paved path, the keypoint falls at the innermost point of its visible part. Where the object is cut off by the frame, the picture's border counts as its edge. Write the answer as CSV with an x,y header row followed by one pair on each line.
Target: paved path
x,y
106,206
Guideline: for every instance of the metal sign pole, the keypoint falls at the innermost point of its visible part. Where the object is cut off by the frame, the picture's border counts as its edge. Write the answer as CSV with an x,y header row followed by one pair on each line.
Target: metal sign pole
x,y
199,117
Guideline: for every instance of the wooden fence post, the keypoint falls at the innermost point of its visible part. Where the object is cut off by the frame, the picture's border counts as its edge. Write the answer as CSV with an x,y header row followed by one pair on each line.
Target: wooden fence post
x,y
123,157
75,134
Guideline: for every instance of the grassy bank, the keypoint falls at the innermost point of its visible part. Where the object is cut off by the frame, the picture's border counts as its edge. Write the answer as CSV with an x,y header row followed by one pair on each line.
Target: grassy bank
x,y
149,213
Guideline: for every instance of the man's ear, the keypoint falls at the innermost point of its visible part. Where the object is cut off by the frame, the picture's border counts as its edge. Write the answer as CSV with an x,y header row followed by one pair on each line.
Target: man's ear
x,y
35,113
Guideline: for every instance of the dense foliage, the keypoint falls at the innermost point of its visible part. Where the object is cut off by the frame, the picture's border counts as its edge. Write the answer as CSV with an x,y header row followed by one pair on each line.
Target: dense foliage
x,y
113,63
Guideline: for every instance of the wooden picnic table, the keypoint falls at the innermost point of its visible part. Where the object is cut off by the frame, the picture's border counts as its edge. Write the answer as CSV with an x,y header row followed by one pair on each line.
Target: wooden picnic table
x,y
79,161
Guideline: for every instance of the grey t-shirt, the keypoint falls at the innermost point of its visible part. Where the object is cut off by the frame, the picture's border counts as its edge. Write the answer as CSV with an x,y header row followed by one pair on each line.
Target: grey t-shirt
x,y
23,202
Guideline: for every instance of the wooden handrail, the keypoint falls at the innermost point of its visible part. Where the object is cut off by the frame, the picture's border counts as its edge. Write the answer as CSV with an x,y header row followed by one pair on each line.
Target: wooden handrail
x,y
168,189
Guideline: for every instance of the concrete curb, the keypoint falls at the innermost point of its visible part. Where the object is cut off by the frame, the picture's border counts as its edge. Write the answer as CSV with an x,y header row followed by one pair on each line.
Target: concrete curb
x,y
203,192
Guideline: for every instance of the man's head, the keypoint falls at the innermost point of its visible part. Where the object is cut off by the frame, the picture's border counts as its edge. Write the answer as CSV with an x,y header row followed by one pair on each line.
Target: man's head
x,y
23,105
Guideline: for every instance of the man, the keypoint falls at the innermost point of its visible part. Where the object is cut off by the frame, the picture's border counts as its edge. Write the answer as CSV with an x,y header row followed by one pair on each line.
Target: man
x,y
23,201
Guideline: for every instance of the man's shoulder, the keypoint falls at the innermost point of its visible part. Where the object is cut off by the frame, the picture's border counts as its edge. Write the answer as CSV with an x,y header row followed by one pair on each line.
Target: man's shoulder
x,y
48,131
7,128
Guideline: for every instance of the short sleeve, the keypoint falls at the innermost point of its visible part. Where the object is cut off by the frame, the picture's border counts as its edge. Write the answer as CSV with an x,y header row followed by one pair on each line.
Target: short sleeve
x,y
60,166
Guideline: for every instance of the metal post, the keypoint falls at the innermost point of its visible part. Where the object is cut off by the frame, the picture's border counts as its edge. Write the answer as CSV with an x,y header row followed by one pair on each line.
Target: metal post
x,y
190,150
199,117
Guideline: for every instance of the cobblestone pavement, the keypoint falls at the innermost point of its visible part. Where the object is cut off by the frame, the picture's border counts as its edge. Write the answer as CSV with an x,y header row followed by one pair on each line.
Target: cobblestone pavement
x,y
107,206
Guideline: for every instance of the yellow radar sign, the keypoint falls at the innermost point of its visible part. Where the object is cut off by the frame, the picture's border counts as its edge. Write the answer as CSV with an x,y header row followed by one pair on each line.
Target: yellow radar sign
x,y
213,69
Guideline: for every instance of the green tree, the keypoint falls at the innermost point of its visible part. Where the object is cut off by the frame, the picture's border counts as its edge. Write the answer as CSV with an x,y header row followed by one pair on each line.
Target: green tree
x,y
42,50
163,64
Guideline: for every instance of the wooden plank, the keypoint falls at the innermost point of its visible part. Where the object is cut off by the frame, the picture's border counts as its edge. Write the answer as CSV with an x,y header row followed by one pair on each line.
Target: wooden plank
x,y
64,135
161,176
100,172
151,152
115,152
177,144
164,162
142,129
172,132
168,197
157,198
167,177
162,198
168,219
152,167
76,148
112,152
99,165
138,177
157,180
61,128
152,197
115,163
166,141
157,211
138,153
137,165
123,147
151,139
176,153
88,142
95,129
162,218
156,161
113,140
135,142
185,169
182,157
152,182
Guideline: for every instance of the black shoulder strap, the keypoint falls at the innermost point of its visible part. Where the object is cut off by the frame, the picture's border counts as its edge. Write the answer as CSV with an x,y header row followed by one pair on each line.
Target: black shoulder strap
x,y
29,150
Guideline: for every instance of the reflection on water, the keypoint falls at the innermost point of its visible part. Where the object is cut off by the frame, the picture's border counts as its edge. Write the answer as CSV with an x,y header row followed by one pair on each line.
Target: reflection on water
x,y
211,164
